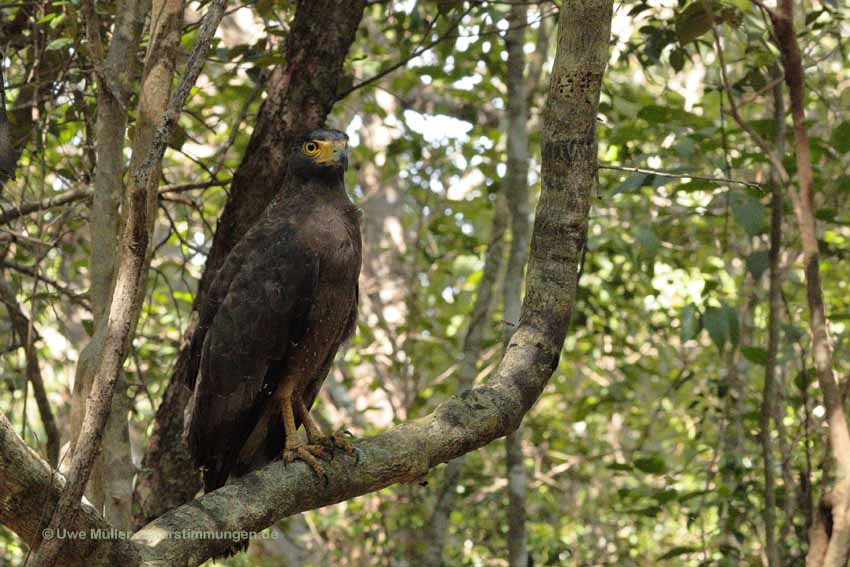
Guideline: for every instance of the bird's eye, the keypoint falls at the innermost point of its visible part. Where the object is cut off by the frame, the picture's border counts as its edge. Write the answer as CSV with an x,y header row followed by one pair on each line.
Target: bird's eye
x,y
311,148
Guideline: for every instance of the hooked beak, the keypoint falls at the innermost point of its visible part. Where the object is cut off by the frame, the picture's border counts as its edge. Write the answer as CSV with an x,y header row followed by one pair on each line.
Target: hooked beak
x,y
333,152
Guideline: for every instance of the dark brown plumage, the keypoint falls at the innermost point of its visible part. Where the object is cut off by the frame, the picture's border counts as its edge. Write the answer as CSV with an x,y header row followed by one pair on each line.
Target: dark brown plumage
x,y
281,305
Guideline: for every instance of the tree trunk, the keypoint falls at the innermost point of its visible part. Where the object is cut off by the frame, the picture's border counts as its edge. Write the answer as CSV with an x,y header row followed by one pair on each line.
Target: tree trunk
x,y
110,487
769,396
516,189
125,306
838,498
300,95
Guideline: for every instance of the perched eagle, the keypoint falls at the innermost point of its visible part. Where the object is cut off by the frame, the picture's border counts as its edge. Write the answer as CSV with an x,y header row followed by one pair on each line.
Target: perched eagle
x,y
279,308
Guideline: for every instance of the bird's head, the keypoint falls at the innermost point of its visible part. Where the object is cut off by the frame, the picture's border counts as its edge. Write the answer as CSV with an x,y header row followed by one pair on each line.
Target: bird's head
x,y
320,152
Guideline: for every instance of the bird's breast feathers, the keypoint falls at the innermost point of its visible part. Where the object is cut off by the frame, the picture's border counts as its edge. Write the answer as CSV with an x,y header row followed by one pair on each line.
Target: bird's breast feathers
x,y
331,235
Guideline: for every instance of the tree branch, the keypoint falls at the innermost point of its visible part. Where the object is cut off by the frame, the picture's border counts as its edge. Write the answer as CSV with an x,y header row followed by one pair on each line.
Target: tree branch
x,y
77,195
121,312
680,175
29,488
26,334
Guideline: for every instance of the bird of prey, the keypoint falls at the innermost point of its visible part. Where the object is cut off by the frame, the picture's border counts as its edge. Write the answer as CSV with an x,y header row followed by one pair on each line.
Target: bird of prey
x,y
275,315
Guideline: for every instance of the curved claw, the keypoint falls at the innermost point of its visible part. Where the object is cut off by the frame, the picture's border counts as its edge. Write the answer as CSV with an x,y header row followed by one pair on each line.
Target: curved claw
x,y
309,454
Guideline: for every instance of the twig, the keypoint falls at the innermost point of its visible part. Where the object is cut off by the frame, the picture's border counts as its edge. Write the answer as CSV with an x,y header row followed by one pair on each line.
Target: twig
x,y
775,160
680,175
26,332
74,296
13,213
416,53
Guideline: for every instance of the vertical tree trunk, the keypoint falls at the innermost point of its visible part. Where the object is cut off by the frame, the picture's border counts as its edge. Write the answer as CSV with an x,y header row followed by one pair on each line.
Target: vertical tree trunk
x,y
111,480
838,499
129,278
769,397
299,96
516,189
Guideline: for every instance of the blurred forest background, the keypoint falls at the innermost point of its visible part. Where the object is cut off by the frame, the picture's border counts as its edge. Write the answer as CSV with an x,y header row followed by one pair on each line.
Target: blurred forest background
x,y
648,446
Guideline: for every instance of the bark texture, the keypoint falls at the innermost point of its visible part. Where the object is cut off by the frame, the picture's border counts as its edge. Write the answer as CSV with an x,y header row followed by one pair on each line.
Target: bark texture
x,y
111,479
769,397
299,97
28,485
516,188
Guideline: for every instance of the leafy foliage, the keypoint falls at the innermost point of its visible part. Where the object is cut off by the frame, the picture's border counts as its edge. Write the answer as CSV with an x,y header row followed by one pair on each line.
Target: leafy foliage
x,y
645,446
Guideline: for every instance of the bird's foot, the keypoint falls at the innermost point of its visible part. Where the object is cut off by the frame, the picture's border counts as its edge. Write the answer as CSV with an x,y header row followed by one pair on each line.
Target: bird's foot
x,y
342,440
310,454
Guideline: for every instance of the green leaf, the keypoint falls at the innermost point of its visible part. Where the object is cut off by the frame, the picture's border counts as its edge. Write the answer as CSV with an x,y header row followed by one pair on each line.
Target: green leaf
x,y
695,20
648,240
654,464
57,21
715,323
757,263
756,355
792,332
692,23
732,322
60,43
826,215
677,551
178,138
690,325
749,212
677,59
841,137
631,183
88,326
685,496
804,378
666,495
